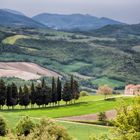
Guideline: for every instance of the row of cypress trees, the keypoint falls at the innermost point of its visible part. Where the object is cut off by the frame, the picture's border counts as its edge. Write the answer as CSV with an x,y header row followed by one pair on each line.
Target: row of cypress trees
x,y
41,94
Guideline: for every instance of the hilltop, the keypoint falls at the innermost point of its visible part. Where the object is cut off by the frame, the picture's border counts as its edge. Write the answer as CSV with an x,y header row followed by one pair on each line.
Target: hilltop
x,y
13,18
74,21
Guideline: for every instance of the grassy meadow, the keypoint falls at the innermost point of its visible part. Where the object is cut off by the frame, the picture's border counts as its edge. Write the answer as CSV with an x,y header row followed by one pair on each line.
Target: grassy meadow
x,y
85,105
84,131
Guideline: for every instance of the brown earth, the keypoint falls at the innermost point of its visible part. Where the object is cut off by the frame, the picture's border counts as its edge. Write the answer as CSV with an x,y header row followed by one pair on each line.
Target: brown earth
x,y
111,114
24,70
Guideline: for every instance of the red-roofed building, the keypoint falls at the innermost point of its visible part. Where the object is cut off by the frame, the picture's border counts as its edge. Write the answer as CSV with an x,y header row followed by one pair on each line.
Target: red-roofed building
x,y
132,90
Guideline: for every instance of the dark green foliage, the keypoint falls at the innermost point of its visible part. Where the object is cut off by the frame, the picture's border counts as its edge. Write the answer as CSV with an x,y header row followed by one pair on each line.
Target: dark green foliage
x,y
2,93
14,94
39,96
74,89
9,96
76,92
102,116
72,86
59,90
32,96
21,96
47,95
67,94
3,127
54,92
42,95
43,84
11,48
26,96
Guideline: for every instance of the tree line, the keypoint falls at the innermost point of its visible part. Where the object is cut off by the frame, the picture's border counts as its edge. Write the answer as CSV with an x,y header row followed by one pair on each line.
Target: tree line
x,y
40,94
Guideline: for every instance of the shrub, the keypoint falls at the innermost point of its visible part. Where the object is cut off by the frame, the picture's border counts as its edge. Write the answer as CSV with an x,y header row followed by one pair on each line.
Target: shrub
x,y
84,93
127,122
3,127
110,99
24,126
47,130
102,116
100,137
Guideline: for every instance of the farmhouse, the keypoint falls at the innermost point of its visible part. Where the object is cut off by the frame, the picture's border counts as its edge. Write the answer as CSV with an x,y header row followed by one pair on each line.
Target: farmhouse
x,y
132,90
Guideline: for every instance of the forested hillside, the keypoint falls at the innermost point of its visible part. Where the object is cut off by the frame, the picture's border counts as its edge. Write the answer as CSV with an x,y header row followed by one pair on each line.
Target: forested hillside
x,y
93,59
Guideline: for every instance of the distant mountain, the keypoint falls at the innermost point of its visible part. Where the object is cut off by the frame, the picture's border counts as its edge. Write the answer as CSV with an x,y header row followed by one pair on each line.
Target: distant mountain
x,y
116,30
9,18
74,21
13,12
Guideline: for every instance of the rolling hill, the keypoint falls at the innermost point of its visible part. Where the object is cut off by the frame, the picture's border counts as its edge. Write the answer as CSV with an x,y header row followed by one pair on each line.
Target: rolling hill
x,y
12,18
116,30
109,55
102,60
13,12
73,21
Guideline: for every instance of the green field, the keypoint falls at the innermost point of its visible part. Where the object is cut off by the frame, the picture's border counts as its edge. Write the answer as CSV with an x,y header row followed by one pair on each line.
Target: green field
x,y
74,66
85,105
11,40
83,131
107,81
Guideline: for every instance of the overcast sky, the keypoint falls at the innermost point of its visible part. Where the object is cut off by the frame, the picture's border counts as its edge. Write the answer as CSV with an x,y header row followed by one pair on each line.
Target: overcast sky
x,y
123,10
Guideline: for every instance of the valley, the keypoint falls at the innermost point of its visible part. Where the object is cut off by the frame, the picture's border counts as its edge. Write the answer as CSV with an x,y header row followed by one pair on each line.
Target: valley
x,y
65,76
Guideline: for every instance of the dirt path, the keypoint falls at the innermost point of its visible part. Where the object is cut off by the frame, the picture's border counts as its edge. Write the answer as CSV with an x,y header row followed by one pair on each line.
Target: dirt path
x,y
111,114
78,123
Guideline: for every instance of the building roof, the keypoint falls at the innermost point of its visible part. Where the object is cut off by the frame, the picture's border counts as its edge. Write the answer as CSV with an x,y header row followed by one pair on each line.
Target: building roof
x,y
131,86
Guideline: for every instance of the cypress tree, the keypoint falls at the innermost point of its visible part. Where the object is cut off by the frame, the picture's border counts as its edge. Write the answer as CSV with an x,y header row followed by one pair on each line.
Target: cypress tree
x,y
72,86
67,96
43,83
21,96
32,94
9,96
54,92
39,96
59,90
14,95
76,92
2,93
47,95
74,89
25,97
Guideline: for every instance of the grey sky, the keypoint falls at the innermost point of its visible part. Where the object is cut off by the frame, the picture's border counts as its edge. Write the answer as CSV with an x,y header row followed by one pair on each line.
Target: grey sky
x,y
123,10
